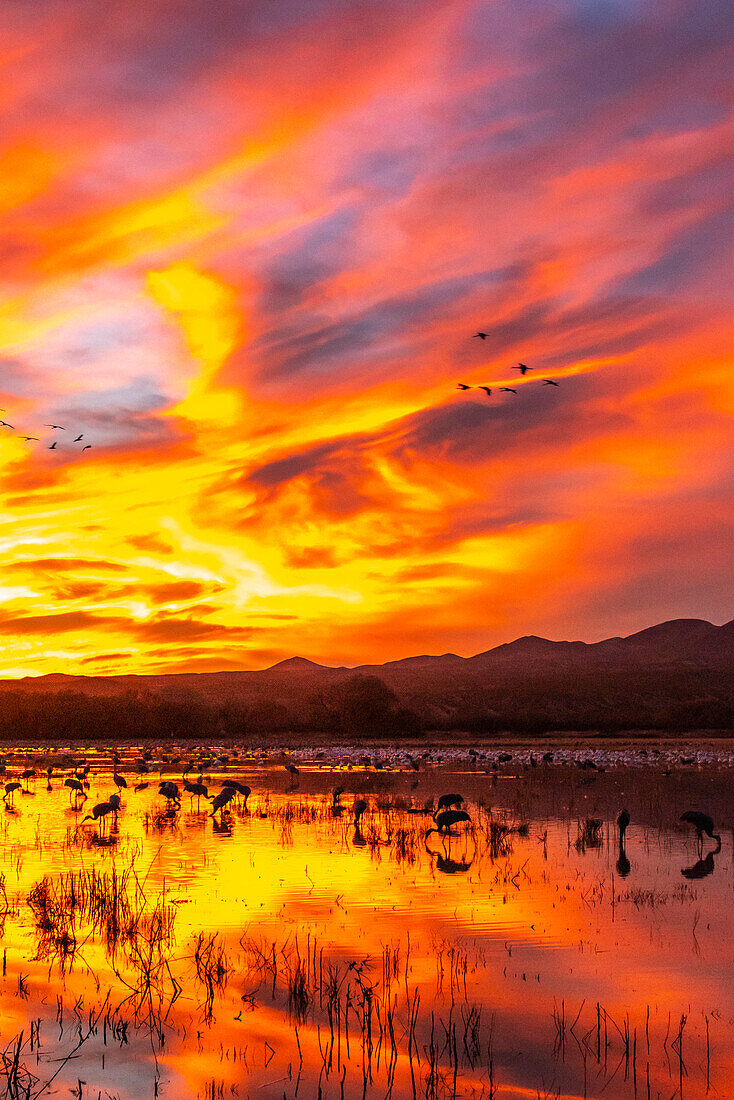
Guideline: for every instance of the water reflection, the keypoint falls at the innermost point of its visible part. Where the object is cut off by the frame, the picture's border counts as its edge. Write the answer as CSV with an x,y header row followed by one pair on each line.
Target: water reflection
x,y
701,868
341,941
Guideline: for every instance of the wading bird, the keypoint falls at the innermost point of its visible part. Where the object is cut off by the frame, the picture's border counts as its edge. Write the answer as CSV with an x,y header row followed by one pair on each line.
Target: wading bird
x,y
10,789
446,819
76,789
119,781
448,800
240,788
703,824
169,791
100,811
225,795
523,368
622,824
141,786
358,809
196,791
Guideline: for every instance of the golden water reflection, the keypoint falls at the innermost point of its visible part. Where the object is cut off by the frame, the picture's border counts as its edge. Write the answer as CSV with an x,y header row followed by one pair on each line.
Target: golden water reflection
x,y
276,949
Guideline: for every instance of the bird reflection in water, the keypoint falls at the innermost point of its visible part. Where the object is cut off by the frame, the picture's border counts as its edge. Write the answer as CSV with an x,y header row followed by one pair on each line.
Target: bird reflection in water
x,y
358,839
446,865
223,827
701,868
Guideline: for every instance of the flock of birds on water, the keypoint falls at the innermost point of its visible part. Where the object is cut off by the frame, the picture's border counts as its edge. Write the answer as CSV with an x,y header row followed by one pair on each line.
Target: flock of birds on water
x,y
448,813
54,427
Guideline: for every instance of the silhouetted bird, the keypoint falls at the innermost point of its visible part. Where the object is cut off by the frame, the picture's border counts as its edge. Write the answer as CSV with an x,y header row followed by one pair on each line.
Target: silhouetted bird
x,y
703,824
119,780
549,382
487,390
79,438
522,368
359,808
10,789
481,335
6,425
28,438
622,823
141,786
447,800
53,446
87,447
463,386
55,426
225,795
196,791
240,788
445,820
103,808
507,389
169,791
76,788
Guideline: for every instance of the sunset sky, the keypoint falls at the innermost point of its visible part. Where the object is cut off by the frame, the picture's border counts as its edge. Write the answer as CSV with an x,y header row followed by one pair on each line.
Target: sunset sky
x,y
245,247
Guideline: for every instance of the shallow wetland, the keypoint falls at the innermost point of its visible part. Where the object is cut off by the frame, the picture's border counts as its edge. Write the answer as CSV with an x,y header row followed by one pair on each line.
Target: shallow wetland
x,y
278,950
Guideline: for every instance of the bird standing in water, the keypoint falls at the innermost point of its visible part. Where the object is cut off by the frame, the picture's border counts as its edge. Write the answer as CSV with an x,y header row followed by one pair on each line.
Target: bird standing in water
x,y
703,824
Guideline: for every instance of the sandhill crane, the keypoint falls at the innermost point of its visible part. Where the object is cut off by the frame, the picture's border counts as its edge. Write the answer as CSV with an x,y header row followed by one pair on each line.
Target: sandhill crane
x,y
448,800
703,824
76,790
10,789
100,811
446,819
240,788
169,791
225,795
358,809
119,781
196,791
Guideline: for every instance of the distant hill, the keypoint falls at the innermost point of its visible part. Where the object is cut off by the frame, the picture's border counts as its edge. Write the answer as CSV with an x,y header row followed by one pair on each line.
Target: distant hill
x,y
675,675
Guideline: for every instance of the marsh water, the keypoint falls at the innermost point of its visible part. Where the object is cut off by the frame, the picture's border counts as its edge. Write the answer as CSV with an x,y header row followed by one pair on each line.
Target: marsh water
x,y
278,950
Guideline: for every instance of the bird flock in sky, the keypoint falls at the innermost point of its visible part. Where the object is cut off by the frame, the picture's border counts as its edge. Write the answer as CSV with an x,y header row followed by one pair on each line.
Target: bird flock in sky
x,y
54,427
522,367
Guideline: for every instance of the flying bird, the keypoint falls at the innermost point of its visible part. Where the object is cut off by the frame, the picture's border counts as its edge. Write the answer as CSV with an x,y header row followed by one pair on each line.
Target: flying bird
x,y
87,447
523,368
463,386
549,382
79,438
6,425
481,335
487,390
52,446
59,426
28,438
507,389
